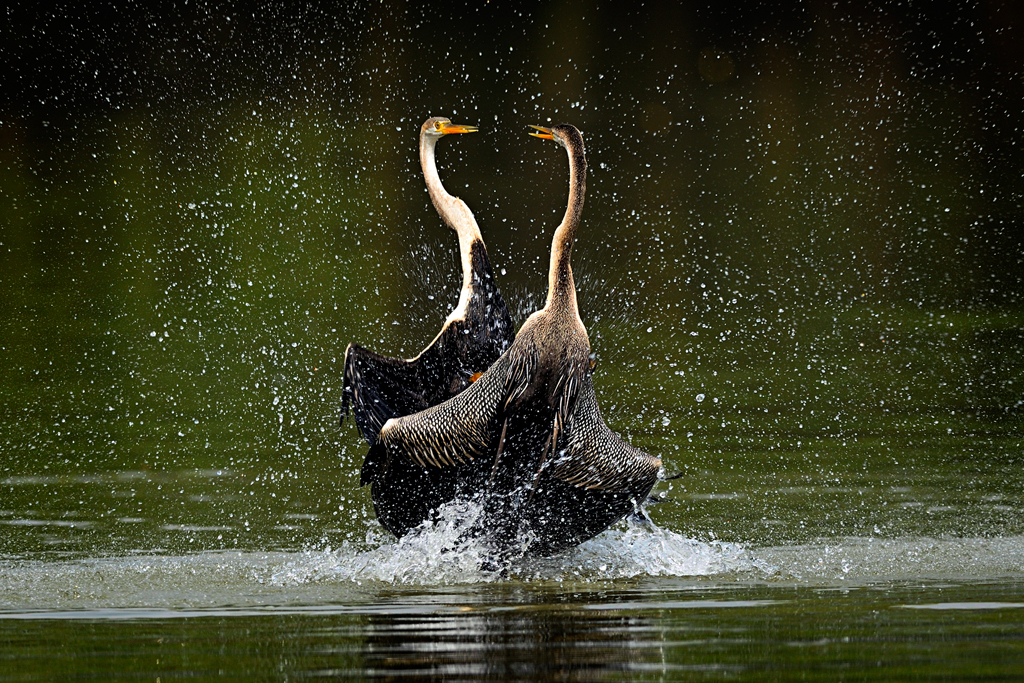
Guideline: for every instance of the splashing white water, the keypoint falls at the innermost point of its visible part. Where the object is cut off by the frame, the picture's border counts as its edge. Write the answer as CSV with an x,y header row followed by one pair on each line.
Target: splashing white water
x,y
428,559
440,553
648,550
435,552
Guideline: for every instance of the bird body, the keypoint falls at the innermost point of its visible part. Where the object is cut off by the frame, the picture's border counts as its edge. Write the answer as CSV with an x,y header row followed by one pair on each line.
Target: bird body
x,y
555,474
473,336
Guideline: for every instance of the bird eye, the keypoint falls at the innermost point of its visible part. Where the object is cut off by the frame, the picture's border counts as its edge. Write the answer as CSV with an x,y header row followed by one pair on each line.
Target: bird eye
x,y
437,125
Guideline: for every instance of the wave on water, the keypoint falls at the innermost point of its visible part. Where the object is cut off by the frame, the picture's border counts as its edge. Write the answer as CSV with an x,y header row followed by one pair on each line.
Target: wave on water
x,y
863,559
433,555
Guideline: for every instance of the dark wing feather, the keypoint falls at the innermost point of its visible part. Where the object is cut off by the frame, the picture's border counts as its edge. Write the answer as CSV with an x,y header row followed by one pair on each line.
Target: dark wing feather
x,y
378,389
493,324
522,366
566,392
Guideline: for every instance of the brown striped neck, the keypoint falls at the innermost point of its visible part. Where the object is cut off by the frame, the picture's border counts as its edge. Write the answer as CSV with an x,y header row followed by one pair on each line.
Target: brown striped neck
x,y
561,287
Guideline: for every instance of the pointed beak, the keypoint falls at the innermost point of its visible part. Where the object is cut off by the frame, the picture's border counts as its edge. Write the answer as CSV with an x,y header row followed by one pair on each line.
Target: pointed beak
x,y
450,128
545,133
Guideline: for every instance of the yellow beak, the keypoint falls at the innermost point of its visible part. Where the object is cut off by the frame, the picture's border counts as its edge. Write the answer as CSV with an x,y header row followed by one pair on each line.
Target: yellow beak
x,y
545,133
449,128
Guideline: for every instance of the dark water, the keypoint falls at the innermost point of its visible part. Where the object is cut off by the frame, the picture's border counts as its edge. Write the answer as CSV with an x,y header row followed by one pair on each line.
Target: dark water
x,y
800,268
646,630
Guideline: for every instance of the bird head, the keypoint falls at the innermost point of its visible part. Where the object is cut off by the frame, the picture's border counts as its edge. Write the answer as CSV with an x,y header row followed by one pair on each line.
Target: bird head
x,y
439,126
564,134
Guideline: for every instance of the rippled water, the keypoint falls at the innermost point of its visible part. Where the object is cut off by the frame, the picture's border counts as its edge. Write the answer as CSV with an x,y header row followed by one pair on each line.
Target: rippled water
x,y
643,630
105,594
137,573
641,603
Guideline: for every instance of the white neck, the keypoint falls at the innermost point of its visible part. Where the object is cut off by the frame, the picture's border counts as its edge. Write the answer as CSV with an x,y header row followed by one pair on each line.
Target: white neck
x,y
456,215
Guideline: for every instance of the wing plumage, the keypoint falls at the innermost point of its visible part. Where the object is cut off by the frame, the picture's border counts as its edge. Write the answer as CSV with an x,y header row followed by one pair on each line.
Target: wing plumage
x,y
453,432
376,388
595,457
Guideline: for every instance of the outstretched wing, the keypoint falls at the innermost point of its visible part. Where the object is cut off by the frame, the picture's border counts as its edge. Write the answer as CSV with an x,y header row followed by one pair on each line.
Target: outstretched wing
x,y
593,456
473,337
379,388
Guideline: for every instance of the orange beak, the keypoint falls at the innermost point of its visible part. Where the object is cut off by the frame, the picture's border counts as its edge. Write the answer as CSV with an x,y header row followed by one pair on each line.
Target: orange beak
x,y
545,133
449,128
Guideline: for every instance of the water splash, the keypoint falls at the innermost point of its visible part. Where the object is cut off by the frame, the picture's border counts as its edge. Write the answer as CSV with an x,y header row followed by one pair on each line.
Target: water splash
x,y
428,559
649,550
441,553
436,552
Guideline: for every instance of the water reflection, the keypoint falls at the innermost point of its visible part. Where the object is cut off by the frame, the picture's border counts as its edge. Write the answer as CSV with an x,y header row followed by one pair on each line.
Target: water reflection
x,y
898,631
509,644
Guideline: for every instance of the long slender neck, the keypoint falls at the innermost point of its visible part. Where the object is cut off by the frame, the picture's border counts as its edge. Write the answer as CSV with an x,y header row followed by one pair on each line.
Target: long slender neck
x,y
453,211
561,287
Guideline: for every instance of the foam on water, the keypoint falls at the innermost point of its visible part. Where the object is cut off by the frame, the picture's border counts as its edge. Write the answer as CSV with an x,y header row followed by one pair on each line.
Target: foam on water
x,y
419,560
434,555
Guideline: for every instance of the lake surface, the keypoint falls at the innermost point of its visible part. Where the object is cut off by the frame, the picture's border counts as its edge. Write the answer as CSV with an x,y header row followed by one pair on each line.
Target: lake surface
x,y
800,267
631,605
642,629
104,582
